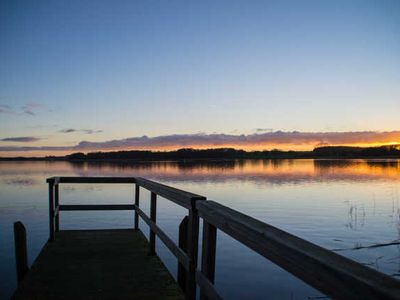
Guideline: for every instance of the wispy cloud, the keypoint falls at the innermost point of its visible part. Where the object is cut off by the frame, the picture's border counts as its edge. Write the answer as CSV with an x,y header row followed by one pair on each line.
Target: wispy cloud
x,y
261,141
87,131
28,109
91,131
269,138
6,109
31,108
67,130
22,139
263,130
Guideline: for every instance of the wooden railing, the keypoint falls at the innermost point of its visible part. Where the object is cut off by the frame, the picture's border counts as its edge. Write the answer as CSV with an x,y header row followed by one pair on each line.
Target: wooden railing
x,y
330,273
186,252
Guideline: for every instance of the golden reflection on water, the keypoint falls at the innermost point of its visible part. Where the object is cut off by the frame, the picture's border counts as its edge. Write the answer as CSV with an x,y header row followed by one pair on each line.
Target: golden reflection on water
x,y
277,171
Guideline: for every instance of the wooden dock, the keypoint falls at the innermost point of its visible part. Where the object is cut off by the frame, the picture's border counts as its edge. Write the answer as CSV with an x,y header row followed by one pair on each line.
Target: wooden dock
x,y
98,264
122,264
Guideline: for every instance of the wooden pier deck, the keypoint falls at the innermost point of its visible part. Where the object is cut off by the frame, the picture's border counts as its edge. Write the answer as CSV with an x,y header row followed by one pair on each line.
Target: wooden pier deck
x,y
122,264
98,264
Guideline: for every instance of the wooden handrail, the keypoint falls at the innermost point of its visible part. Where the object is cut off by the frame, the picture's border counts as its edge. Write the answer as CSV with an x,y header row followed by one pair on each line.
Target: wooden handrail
x,y
71,207
74,179
178,252
180,197
330,273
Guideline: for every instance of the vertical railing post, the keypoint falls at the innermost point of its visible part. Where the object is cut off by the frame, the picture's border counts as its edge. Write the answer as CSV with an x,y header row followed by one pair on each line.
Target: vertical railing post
x,y
137,205
21,253
51,210
153,213
192,249
57,203
183,234
208,253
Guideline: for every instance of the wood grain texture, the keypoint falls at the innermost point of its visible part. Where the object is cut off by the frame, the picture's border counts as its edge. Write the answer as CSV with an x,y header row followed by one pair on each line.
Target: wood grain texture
x,y
207,287
182,270
56,210
332,274
192,249
74,179
137,199
208,254
178,252
71,207
180,197
21,251
98,264
51,211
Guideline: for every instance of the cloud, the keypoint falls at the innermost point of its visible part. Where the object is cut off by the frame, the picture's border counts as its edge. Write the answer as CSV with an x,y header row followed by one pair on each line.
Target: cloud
x,y
282,139
91,131
31,108
87,131
263,129
6,109
28,109
29,112
67,130
23,139
270,138
43,148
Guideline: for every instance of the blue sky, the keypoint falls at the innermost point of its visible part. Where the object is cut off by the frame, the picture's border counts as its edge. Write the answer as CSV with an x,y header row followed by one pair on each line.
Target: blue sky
x,y
131,68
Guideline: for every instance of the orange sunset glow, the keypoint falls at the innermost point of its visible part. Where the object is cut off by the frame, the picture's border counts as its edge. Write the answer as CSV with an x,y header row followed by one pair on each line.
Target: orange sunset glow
x,y
285,141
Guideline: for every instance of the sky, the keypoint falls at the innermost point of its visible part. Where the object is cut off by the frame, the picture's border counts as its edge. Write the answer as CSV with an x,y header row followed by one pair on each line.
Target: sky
x,y
110,75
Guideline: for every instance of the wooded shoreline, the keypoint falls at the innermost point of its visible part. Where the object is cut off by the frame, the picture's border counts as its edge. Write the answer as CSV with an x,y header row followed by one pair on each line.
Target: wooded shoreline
x,y
329,152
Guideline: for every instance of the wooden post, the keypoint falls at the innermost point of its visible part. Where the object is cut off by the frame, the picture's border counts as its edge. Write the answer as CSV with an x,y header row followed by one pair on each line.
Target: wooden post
x,y
183,232
153,210
208,253
192,248
51,211
21,256
57,203
137,204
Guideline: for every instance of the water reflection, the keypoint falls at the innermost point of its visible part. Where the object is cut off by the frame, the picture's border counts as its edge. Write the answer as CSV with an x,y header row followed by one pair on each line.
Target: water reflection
x,y
262,171
338,204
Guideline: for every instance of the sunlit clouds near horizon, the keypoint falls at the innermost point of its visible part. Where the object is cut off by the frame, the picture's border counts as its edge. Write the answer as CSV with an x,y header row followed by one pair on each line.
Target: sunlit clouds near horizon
x,y
257,141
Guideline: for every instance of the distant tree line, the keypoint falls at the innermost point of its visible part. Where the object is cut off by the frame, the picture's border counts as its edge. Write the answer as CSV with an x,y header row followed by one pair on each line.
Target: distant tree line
x,y
230,153
392,151
357,152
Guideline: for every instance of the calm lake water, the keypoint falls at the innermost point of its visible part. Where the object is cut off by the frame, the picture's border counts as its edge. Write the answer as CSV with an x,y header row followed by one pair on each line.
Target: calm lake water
x,y
338,204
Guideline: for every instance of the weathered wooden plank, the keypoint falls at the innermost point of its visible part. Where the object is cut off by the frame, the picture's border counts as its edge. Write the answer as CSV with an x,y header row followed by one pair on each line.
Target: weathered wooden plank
x,y
98,264
208,253
70,207
180,197
183,233
73,179
21,253
57,209
53,180
153,218
56,212
179,254
137,195
207,288
332,274
51,211
192,249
